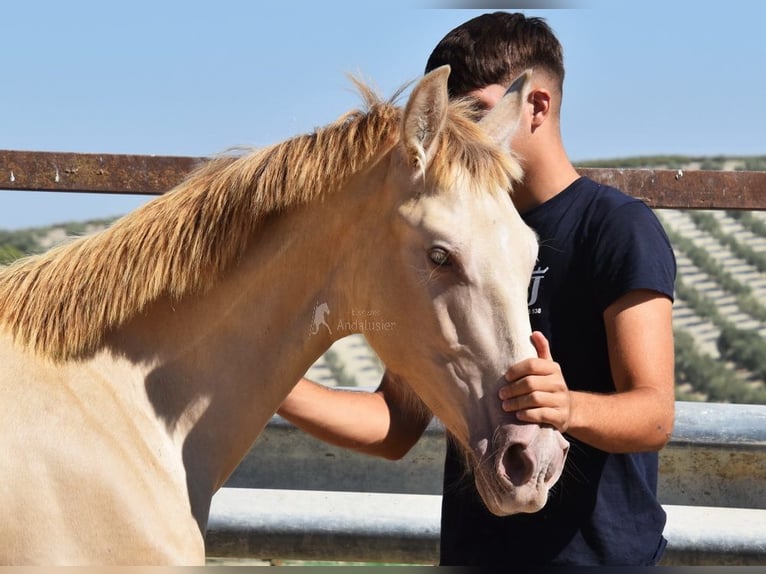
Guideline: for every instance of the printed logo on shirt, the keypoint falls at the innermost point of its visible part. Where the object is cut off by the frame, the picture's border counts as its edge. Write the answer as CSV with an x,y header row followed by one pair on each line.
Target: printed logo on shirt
x,y
534,290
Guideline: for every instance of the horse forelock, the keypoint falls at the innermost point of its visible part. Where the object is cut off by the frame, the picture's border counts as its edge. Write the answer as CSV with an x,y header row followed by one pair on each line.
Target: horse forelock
x,y
63,302
465,149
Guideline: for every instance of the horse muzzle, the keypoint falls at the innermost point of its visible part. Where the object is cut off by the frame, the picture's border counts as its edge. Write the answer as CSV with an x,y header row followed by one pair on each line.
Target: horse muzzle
x,y
525,461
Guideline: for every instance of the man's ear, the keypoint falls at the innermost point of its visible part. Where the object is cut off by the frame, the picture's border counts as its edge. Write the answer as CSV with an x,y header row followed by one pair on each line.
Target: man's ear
x,y
540,98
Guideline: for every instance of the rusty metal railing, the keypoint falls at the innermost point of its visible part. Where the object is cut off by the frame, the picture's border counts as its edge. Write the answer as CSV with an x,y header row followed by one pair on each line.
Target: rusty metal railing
x,y
153,175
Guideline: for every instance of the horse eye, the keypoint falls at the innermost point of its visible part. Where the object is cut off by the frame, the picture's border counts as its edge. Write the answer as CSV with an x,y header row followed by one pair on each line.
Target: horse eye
x,y
439,256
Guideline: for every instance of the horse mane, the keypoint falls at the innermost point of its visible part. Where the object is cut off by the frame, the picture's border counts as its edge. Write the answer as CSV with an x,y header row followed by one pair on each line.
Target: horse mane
x,y
61,303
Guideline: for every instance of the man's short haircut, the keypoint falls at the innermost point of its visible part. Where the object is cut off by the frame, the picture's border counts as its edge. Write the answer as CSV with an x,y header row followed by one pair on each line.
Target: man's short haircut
x,y
494,48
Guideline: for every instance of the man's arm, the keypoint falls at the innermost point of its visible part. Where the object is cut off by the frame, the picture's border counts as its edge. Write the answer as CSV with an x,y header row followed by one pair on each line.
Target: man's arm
x,y
385,423
639,416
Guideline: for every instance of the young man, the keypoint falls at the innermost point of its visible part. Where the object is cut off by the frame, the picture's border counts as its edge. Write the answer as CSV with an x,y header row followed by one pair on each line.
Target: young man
x,y
600,303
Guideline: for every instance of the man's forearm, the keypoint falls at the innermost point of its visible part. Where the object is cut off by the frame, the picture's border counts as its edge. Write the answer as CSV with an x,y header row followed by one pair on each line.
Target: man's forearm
x,y
637,420
356,420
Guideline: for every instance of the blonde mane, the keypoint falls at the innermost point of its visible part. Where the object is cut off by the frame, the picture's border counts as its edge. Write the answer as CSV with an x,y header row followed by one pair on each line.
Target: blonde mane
x,y
61,303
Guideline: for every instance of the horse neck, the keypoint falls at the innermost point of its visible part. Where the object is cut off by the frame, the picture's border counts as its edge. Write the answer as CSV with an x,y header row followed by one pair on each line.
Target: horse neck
x,y
217,366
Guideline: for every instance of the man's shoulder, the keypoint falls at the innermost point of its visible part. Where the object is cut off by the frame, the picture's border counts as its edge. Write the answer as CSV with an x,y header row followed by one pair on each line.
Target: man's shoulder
x,y
604,195
604,204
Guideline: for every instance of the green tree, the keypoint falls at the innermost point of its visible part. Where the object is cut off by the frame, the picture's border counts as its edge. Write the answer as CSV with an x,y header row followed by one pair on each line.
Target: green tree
x,y
9,253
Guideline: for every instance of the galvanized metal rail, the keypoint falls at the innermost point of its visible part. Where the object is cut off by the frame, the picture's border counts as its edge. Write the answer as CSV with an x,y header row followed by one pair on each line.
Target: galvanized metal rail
x,y
295,497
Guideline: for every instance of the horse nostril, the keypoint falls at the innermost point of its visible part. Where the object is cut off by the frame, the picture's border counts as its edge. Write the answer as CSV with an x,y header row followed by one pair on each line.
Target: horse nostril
x,y
518,464
552,472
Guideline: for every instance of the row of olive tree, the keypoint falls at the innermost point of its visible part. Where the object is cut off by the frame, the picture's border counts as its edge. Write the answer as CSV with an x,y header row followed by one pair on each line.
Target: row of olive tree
x,y
749,221
706,221
700,257
745,348
709,376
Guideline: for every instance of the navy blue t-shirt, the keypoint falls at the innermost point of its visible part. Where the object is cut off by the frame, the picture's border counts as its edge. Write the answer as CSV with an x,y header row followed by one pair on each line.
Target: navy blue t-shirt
x,y
596,244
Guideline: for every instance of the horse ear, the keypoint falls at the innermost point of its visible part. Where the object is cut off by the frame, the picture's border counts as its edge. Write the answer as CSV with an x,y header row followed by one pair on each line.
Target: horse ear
x,y
425,115
502,120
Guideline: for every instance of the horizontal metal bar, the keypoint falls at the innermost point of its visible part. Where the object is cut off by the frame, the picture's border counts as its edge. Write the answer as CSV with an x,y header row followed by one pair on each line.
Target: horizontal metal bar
x,y
728,425
716,457
315,525
687,189
146,174
93,173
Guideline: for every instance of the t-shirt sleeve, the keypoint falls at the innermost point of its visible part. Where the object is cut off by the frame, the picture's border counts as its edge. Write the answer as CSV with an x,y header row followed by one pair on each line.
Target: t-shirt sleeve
x,y
632,251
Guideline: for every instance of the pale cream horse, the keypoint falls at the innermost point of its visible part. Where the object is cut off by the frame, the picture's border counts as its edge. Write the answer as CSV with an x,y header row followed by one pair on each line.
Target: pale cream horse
x,y
138,365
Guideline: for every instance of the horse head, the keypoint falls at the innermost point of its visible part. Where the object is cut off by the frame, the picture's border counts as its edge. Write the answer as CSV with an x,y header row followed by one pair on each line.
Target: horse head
x,y
459,288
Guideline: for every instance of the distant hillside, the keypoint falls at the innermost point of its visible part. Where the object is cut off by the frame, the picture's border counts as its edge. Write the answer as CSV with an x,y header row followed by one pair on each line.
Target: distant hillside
x,y
14,244
732,163
720,310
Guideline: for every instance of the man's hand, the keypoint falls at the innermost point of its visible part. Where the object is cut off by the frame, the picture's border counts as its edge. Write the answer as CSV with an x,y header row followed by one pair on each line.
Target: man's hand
x,y
536,390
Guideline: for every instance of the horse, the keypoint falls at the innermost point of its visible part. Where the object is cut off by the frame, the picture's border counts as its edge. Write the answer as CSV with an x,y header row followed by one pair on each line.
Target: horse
x,y
139,364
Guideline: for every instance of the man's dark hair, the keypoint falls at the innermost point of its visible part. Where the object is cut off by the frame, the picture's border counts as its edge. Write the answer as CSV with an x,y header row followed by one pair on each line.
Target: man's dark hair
x,y
495,48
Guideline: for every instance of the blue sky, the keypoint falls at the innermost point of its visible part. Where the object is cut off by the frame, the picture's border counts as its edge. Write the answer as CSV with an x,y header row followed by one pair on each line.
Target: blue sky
x,y
197,77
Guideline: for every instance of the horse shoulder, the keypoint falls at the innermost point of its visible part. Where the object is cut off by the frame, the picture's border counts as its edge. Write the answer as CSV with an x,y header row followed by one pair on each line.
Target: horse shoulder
x,y
93,477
